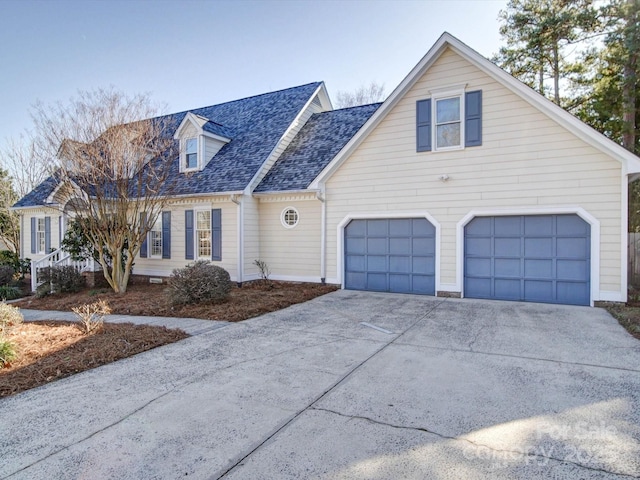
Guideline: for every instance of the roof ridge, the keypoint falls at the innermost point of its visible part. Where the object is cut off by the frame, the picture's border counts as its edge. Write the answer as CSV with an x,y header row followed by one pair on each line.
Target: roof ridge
x,y
351,108
238,99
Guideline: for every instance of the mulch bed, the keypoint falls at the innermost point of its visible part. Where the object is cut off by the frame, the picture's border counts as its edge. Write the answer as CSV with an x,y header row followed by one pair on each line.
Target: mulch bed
x,y
48,351
251,300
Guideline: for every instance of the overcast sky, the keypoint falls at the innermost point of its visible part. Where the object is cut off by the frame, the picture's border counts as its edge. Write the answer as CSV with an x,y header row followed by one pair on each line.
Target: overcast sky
x,y
194,53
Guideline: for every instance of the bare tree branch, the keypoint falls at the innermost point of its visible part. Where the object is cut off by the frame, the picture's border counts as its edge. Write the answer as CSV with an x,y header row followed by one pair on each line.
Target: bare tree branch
x,y
363,95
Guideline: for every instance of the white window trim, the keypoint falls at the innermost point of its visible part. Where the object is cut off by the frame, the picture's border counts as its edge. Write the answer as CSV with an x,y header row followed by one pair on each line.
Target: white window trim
x,y
150,242
442,94
282,217
44,236
196,241
183,154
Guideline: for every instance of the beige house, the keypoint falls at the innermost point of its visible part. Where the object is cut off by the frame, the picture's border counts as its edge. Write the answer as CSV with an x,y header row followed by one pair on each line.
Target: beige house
x,y
464,182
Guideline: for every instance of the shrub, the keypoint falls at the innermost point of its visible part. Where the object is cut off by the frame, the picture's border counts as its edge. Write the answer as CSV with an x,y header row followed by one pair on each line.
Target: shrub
x,y
91,316
199,282
6,274
59,280
7,292
7,352
10,316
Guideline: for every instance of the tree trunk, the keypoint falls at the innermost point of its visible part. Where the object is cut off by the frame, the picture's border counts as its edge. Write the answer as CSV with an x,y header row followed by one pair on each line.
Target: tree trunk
x,y
630,76
556,74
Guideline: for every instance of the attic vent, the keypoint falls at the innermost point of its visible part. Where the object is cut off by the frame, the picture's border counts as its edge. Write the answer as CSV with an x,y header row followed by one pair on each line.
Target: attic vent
x,y
316,102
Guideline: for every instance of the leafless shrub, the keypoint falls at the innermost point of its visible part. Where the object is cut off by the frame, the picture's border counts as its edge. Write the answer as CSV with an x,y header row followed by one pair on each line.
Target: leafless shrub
x,y
91,316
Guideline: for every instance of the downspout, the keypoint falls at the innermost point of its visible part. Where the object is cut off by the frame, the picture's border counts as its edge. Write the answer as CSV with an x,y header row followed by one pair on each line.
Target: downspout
x,y
321,195
235,199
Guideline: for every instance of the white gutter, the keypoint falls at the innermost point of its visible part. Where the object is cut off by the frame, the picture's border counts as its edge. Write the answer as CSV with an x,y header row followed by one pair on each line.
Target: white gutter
x,y
240,259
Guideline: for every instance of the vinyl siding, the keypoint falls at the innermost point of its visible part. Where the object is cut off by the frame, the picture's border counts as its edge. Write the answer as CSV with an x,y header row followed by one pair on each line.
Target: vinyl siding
x,y
251,236
526,160
164,267
291,252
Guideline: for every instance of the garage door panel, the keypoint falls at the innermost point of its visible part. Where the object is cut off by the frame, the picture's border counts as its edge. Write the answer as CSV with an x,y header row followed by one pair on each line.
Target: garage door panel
x,y
356,280
377,263
378,228
573,247
478,267
573,293
572,269
478,287
358,228
399,283
423,284
479,226
510,247
395,255
356,246
377,246
537,290
400,227
547,261
423,265
377,282
539,225
507,267
422,227
538,269
538,247
477,246
423,246
507,226
356,263
572,225
399,264
399,245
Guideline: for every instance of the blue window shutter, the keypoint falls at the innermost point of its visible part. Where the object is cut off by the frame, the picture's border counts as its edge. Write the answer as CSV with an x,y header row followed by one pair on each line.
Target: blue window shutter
x,y
473,119
423,122
166,234
216,234
143,225
188,235
34,248
47,234
59,231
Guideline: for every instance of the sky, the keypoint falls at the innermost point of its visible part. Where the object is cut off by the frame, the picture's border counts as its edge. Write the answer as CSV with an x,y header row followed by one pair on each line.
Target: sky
x,y
194,53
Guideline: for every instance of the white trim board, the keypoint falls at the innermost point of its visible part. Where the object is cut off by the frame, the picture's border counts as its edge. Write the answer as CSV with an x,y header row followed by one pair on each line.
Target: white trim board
x,y
497,212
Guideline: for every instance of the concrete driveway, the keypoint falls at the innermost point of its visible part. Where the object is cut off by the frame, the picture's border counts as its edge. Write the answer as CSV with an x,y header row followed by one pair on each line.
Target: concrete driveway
x,y
457,389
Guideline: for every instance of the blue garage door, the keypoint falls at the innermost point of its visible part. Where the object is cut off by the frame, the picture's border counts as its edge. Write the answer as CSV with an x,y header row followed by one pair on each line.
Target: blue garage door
x,y
535,258
390,255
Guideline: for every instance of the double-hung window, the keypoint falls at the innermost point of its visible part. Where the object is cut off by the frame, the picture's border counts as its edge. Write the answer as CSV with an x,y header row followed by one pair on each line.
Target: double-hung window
x,y
448,124
450,120
203,233
41,235
155,239
191,153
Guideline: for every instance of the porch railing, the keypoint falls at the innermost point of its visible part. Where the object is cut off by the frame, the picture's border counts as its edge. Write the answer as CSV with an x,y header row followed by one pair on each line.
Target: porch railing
x,y
58,258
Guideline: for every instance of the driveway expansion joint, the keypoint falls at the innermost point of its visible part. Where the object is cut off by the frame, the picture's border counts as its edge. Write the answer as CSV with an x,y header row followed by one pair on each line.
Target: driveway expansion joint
x,y
471,442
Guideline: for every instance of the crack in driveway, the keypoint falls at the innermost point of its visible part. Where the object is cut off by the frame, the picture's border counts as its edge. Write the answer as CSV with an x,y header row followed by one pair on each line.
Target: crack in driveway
x,y
471,442
239,460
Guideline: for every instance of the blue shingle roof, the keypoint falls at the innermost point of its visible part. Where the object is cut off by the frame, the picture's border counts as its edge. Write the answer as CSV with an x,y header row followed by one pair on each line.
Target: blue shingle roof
x,y
38,195
317,143
254,124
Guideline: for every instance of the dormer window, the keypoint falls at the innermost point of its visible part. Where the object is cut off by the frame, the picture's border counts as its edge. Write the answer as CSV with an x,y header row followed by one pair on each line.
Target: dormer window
x,y
191,154
200,140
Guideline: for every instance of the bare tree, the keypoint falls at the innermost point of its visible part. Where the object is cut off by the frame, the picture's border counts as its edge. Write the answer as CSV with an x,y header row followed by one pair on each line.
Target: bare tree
x,y
25,165
114,170
363,95
9,220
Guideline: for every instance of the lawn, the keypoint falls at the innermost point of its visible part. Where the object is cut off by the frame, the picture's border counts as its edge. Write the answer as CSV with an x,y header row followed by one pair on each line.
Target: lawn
x,y
48,351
